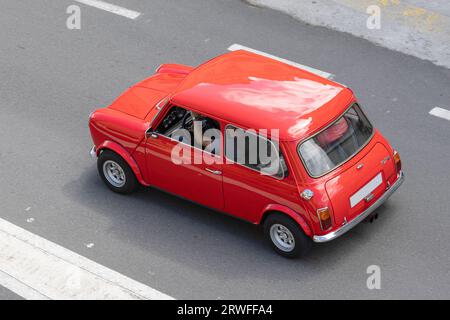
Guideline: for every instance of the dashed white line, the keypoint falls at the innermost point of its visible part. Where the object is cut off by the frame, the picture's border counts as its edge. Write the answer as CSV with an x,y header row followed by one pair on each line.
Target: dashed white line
x,y
130,14
36,268
235,47
440,113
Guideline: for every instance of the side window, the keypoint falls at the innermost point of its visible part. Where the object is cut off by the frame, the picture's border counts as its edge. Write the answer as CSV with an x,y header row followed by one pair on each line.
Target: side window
x,y
191,128
256,152
172,121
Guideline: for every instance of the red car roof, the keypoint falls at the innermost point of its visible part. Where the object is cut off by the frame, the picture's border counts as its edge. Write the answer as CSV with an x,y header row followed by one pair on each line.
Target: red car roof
x,y
257,92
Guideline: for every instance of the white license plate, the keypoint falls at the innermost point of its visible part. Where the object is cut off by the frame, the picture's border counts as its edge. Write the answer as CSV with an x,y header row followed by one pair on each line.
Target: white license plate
x,y
366,190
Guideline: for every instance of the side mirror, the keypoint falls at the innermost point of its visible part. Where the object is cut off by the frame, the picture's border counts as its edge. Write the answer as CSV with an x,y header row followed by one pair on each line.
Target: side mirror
x,y
151,134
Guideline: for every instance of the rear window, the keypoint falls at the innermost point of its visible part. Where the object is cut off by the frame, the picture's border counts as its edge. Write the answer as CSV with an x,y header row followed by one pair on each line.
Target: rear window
x,y
337,143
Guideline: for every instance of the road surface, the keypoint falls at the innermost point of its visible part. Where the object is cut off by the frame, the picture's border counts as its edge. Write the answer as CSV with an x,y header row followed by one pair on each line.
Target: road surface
x,y
53,77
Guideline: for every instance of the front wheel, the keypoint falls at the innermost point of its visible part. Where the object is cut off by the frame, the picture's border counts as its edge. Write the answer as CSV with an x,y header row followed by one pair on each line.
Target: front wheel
x,y
116,173
286,236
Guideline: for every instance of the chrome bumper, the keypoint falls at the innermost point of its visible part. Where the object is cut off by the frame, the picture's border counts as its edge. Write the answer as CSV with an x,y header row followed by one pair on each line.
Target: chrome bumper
x,y
93,153
339,232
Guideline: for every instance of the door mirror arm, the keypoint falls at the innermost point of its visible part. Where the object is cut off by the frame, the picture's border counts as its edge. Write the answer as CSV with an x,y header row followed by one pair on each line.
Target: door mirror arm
x,y
151,134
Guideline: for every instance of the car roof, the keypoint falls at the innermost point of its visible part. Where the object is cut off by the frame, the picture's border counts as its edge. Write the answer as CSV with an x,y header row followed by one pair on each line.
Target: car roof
x,y
257,92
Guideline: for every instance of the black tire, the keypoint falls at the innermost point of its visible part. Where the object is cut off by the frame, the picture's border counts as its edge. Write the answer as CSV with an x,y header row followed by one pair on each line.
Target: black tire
x,y
128,184
301,244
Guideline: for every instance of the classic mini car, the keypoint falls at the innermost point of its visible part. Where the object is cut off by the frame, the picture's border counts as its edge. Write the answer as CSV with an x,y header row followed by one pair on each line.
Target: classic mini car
x,y
332,167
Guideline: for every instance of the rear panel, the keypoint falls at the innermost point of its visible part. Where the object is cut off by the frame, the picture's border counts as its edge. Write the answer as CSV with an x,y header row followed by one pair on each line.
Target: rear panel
x,y
357,188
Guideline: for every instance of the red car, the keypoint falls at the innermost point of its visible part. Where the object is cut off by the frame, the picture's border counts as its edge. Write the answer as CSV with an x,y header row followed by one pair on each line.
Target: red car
x,y
328,167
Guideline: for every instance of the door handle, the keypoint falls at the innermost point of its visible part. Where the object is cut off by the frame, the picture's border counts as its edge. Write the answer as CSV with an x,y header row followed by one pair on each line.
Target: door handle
x,y
216,172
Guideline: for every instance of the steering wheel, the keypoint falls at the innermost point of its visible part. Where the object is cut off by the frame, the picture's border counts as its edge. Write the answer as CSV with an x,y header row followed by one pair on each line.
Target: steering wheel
x,y
184,123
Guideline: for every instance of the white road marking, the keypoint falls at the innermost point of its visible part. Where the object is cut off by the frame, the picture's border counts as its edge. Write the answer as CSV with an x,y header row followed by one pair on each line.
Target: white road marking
x,y
36,268
441,113
19,288
235,47
130,14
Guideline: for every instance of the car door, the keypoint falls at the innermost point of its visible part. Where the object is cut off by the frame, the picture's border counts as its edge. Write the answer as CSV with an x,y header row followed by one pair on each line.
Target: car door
x,y
246,190
199,180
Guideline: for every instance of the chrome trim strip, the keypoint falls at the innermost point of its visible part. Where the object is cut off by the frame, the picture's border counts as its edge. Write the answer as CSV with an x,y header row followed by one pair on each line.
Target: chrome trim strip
x,y
339,232
160,106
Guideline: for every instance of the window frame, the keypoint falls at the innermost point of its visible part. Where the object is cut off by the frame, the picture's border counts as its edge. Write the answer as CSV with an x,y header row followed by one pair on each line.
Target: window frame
x,y
325,128
284,176
160,106
169,107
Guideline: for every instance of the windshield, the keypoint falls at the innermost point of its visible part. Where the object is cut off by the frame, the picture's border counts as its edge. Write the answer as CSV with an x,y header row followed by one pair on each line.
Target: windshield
x,y
337,143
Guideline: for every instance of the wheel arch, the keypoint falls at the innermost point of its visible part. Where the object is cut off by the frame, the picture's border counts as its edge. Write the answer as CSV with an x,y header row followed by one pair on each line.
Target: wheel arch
x,y
121,151
278,208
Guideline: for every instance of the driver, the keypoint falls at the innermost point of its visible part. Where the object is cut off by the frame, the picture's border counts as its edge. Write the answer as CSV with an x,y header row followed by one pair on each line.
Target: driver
x,y
201,125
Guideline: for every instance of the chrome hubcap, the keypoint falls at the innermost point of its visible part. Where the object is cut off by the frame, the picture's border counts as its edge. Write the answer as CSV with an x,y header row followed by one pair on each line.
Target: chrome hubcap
x,y
114,173
282,237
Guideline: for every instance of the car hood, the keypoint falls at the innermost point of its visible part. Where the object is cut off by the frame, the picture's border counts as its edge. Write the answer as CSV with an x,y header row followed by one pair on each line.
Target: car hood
x,y
139,100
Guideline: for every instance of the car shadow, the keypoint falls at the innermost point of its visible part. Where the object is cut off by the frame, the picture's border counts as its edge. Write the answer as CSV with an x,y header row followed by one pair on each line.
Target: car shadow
x,y
206,240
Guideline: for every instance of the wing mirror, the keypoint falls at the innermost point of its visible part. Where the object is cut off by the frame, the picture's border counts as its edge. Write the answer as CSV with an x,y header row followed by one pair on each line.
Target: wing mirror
x,y
151,134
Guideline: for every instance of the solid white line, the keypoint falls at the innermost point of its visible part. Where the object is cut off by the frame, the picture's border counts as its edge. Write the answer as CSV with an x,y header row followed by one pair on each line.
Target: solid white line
x,y
36,268
19,288
441,113
235,47
131,14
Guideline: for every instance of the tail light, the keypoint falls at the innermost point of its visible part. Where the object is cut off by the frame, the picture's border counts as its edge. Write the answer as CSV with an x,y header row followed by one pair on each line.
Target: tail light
x,y
397,161
324,218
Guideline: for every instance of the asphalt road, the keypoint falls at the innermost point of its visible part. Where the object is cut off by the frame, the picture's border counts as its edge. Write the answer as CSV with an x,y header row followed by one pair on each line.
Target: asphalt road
x,y
52,78
6,294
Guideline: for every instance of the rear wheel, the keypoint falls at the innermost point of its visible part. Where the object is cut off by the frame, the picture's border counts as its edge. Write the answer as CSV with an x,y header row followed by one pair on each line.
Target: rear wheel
x,y
286,236
116,173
